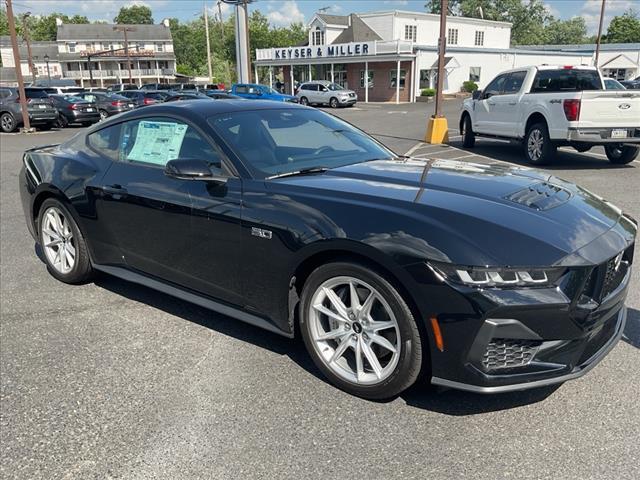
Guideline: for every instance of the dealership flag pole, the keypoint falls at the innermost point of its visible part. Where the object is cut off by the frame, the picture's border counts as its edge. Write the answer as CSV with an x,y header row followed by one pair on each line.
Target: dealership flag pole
x,y
206,32
18,67
598,40
437,129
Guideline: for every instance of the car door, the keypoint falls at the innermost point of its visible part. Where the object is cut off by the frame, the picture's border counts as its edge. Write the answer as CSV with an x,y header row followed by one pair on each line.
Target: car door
x,y
485,113
145,211
507,108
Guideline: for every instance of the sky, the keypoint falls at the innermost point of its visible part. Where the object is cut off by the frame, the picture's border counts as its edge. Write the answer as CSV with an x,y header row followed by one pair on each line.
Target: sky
x,y
283,12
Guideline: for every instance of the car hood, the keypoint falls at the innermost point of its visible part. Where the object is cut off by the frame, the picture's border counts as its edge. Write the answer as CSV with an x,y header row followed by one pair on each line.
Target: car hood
x,y
280,97
472,213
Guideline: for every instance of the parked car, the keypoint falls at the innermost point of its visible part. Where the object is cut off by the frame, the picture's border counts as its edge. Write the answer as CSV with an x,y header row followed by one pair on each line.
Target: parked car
x,y
96,89
156,86
72,109
219,95
496,279
62,90
142,98
260,92
120,87
631,84
323,92
185,96
108,104
177,87
549,106
42,113
612,84
212,86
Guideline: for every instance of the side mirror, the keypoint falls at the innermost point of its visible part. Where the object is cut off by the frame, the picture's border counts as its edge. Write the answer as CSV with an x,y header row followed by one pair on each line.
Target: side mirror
x,y
192,169
325,89
476,94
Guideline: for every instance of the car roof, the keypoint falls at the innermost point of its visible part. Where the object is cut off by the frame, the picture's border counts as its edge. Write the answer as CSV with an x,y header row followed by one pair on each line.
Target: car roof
x,y
322,82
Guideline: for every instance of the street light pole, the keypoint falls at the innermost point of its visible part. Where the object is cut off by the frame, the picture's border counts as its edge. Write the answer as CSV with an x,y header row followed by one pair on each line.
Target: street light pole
x,y
598,40
437,129
18,66
46,60
124,29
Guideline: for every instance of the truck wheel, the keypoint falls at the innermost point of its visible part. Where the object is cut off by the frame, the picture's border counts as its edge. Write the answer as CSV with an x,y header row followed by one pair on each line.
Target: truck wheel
x,y
619,154
468,137
538,147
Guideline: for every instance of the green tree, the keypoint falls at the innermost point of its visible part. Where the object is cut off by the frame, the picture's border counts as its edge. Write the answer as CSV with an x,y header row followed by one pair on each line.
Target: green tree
x,y
134,15
4,24
564,32
624,28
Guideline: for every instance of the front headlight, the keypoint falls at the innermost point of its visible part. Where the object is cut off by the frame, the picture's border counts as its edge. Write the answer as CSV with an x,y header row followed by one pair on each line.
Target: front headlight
x,y
475,276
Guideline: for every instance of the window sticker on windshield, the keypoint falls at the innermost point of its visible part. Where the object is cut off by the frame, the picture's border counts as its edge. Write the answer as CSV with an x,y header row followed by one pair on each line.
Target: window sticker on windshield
x,y
157,142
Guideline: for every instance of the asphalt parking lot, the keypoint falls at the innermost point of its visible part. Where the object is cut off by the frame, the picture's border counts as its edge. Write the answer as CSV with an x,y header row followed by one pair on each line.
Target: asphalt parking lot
x,y
113,380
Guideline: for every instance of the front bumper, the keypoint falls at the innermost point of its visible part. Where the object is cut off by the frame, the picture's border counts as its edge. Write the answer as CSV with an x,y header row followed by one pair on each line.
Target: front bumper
x,y
347,101
600,136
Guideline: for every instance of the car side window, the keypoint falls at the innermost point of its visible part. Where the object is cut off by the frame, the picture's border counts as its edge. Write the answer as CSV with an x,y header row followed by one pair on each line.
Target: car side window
x,y
241,89
156,140
89,97
5,93
495,87
514,82
106,141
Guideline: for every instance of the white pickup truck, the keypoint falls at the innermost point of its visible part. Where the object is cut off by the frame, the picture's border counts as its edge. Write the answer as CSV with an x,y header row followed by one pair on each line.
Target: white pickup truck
x,y
549,106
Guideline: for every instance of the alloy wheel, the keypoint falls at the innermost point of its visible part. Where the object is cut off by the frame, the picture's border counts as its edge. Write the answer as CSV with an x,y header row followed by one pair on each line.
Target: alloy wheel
x,y
535,143
334,103
103,114
58,242
354,330
6,122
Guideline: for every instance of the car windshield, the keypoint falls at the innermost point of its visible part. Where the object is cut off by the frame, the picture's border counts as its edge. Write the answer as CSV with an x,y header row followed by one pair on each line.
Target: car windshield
x,y
268,91
113,96
334,86
281,141
35,93
73,99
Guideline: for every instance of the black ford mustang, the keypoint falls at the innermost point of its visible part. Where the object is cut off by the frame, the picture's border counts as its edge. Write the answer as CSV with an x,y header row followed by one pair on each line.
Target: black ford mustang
x,y
482,277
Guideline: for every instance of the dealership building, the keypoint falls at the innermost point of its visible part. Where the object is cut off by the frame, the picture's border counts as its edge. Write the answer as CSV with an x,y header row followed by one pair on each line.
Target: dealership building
x,y
397,52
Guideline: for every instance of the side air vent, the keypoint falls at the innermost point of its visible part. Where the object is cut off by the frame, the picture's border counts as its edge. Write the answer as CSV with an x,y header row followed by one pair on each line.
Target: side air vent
x,y
540,196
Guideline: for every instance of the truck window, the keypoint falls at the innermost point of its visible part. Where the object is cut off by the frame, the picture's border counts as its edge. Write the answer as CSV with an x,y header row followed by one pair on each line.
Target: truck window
x,y
495,87
513,84
566,80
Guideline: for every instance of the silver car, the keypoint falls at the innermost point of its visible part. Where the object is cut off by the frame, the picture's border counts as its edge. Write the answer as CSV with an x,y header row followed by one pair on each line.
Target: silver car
x,y
323,92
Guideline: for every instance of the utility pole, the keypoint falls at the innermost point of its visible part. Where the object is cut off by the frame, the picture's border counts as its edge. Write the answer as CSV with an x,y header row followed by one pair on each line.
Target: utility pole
x,y
599,35
206,31
437,129
16,62
124,29
25,35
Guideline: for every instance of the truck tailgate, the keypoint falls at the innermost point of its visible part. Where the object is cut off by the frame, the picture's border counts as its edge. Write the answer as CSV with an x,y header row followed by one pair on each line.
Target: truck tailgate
x,y
608,108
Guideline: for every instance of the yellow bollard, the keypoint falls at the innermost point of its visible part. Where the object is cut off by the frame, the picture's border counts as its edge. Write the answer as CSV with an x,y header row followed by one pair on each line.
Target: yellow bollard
x,y
437,130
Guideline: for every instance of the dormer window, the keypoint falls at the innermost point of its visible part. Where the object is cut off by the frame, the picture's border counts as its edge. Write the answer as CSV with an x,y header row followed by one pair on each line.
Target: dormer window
x,y
317,37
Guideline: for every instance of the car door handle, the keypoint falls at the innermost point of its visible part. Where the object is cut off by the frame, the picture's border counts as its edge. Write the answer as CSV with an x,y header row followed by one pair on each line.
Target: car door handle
x,y
513,103
116,191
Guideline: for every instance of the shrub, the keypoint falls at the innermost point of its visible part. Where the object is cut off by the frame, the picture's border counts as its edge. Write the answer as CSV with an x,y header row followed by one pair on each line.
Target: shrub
x,y
428,92
469,86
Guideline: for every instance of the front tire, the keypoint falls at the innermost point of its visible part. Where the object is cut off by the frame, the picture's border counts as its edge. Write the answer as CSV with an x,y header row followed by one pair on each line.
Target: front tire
x,y
64,248
619,154
304,101
7,122
468,136
333,103
538,147
359,331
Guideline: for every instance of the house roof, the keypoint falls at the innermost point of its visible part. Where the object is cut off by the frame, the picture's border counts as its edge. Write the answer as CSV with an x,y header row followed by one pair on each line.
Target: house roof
x,y
358,31
38,49
73,32
585,47
619,61
334,19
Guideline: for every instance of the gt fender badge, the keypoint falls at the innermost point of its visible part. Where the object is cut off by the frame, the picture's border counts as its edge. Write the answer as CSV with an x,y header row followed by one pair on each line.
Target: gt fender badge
x,y
259,232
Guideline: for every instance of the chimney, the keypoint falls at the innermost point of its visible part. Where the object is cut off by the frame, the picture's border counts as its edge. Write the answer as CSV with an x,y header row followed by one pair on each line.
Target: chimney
x,y
58,21
350,18
165,22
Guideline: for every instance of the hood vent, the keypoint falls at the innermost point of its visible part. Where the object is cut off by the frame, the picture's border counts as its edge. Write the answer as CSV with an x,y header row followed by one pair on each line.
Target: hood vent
x,y
540,196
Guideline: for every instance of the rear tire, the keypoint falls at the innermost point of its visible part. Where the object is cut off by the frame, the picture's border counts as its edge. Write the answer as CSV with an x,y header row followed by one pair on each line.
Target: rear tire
x,y
538,147
621,154
104,115
64,248
7,122
468,136
62,121
378,327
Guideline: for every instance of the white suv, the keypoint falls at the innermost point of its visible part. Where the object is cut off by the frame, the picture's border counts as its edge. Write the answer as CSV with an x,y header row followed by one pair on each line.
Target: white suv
x,y
323,92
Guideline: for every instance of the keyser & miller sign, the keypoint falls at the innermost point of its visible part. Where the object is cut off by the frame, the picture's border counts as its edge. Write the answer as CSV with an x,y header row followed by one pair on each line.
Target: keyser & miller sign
x,y
322,51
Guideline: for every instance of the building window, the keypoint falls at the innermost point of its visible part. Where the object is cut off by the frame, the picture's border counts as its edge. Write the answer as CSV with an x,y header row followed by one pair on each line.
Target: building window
x,y
370,75
452,36
159,47
411,33
317,37
474,74
393,76
71,47
479,38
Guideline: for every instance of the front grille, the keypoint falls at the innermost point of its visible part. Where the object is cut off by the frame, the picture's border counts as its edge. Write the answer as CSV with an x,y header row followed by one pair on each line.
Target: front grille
x,y
615,271
607,277
504,353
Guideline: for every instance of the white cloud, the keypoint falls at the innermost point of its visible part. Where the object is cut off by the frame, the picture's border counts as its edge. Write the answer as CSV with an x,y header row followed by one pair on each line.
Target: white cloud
x,y
284,13
590,11
397,2
214,11
335,9
552,10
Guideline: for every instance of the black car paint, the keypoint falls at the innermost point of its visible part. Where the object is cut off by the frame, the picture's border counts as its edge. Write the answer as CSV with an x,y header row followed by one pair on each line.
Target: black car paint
x,y
86,112
39,106
395,214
